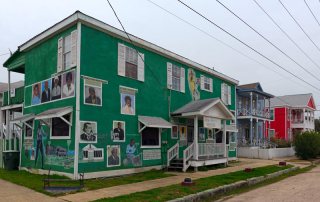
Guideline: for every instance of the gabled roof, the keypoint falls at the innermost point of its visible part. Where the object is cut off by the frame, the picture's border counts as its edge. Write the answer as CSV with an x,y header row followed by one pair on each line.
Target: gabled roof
x,y
253,87
97,24
194,106
300,100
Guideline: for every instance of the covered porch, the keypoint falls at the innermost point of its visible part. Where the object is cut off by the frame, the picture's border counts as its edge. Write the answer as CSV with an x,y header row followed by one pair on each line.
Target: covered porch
x,y
213,115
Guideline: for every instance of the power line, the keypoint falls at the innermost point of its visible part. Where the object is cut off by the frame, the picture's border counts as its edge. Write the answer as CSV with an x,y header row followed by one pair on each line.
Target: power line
x,y
248,46
286,34
132,42
222,42
265,38
299,25
311,12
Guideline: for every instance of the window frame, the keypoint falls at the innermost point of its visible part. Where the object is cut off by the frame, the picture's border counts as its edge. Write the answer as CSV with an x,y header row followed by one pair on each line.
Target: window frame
x,y
90,85
151,146
174,77
32,130
61,137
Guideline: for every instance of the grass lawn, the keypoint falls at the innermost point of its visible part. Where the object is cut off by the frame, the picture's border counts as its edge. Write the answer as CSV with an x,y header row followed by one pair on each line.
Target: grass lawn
x,y
177,191
34,181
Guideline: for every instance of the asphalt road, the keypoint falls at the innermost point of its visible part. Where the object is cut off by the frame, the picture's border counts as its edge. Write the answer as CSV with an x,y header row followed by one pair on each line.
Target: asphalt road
x,y
300,188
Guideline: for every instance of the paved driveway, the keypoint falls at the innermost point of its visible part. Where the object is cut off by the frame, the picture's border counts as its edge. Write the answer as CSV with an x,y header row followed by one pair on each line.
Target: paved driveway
x,y
302,187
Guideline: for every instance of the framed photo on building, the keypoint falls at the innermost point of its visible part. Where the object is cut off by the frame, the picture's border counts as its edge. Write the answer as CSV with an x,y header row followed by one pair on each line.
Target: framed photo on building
x,y
210,134
68,84
46,91
36,96
88,132
183,132
56,88
202,136
128,100
113,155
92,92
174,132
118,131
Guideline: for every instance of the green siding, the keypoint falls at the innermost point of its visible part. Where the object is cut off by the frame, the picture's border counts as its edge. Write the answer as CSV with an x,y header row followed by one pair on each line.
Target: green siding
x,y
17,99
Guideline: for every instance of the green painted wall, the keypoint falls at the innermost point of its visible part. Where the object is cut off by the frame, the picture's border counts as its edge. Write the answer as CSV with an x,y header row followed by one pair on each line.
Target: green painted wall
x,y
17,99
99,59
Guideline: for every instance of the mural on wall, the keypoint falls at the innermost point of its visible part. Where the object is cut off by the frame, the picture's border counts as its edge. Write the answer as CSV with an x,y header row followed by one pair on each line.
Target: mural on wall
x,y
174,132
91,153
41,135
88,132
183,135
133,157
118,131
51,90
46,91
60,155
113,155
92,92
127,101
29,150
193,82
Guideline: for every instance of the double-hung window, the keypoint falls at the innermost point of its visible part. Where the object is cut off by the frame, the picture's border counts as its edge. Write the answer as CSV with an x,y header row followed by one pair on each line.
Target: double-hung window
x,y
226,94
175,77
206,83
130,62
67,51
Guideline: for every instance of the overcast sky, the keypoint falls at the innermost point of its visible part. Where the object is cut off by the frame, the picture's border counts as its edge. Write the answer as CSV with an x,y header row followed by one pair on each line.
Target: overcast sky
x,y
21,20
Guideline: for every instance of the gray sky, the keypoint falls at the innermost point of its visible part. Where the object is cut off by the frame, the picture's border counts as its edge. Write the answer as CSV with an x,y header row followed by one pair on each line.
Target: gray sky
x,y
21,20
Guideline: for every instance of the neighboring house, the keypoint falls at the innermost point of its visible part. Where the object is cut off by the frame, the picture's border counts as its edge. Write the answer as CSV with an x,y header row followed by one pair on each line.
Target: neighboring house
x,y
291,114
96,104
252,116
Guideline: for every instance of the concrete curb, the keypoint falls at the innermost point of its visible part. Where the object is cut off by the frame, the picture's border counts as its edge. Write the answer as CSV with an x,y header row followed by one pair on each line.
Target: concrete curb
x,y
223,189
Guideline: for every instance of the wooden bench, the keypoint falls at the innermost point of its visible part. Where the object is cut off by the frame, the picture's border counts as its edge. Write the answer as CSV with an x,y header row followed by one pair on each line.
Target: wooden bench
x,y
47,184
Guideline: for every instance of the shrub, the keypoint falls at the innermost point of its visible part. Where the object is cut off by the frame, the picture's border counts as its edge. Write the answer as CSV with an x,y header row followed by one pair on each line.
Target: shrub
x,y
307,145
281,143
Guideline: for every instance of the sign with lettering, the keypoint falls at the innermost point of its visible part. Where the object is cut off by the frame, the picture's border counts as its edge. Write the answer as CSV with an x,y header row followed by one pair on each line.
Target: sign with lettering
x,y
153,154
209,122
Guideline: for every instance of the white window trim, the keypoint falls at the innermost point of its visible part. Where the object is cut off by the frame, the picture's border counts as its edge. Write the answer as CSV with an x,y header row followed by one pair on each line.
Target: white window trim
x,y
153,146
210,84
175,138
63,137
95,158
182,78
25,131
84,92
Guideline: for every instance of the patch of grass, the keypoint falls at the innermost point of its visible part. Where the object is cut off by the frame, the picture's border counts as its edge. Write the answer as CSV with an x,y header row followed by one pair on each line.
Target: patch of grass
x,y
177,191
35,181
260,184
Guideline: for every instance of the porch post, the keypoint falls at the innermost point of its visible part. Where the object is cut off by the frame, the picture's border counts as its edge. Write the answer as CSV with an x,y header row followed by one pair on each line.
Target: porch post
x,y
8,111
251,130
257,132
8,129
250,103
224,138
195,138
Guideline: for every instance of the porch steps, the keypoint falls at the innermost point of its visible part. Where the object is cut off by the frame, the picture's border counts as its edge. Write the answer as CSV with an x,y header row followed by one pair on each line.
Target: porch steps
x,y
176,165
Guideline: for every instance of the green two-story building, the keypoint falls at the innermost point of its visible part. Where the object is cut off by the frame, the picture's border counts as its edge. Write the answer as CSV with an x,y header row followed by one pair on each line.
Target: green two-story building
x,y
99,103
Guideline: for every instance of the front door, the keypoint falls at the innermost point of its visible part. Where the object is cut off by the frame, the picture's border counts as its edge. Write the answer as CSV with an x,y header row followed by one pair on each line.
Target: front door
x,y
190,135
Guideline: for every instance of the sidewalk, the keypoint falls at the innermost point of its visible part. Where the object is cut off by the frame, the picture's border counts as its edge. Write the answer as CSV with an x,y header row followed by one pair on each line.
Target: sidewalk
x,y
13,192
152,184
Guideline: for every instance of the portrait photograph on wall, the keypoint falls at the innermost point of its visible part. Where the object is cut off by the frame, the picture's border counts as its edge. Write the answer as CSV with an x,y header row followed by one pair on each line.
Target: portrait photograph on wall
x,y
118,129
88,133
68,84
174,132
183,132
128,100
113,155
92,92
46,91
210,134
36,97
202,136
56,88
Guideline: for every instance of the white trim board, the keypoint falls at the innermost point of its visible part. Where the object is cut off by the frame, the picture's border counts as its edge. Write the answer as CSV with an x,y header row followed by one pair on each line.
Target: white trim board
x,y
97,24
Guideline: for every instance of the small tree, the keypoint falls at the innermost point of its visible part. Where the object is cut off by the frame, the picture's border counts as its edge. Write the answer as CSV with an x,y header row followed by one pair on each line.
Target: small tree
x,y
307,145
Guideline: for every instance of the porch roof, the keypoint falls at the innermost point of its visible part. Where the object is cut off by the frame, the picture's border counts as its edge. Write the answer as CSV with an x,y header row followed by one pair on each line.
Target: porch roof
x,y
154,122
212,107
53,113
23,118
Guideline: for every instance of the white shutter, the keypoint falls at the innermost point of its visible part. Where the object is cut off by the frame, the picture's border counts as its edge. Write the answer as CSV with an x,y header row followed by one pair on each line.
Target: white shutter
x,y
202,82
222,93
141,67
169,75
74,38
182,80
229,95
59,61
121,59
211,87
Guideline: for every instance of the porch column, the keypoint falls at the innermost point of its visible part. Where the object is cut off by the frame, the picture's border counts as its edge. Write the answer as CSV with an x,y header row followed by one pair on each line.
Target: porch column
x,y
257,132
257,98
250,103
251,130
8,111
224,138
195,138
8,130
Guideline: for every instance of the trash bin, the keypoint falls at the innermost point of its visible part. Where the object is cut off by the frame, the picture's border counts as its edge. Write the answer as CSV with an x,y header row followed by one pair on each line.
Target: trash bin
x,y
11,160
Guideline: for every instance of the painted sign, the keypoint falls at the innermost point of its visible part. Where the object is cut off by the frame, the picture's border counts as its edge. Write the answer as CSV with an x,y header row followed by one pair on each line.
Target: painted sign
x,y
209,122
153,154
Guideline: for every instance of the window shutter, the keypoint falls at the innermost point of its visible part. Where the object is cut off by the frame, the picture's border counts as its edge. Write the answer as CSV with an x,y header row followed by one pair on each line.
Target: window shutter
x,y
121,59
229,95
211,87
74,38
140,66
202,82
222,92
182,80
169,75
59,61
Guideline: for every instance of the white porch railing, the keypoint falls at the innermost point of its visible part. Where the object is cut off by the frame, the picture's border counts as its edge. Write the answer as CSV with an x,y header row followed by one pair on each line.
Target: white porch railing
x,y
3,131
187,154
211,149
172,152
